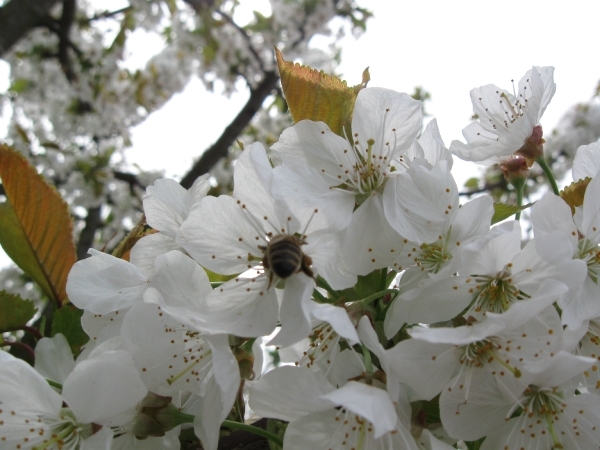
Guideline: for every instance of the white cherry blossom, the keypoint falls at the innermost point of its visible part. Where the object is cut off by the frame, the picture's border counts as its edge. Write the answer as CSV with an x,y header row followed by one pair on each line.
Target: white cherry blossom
x,y
231,235
384,126
506,121
367,418
166,206
551,215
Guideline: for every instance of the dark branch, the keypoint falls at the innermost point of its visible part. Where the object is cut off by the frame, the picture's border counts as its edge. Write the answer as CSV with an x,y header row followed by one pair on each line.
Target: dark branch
x,y
488,187
219,149
130,179
107,14
93,221
18,17
64,43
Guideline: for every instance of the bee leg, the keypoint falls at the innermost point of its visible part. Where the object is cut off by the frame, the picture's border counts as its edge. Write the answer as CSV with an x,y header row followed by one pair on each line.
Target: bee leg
x,y
271,274
305,266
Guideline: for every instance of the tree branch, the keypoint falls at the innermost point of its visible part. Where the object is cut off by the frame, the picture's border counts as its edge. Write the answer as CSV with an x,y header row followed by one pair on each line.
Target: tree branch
x,y
129,178
18,17
65,22
107,14
219,149
93,221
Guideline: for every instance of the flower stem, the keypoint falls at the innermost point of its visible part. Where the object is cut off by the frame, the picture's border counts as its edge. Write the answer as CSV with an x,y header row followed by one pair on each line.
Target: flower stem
x,y
26,348
544,165
519,191
319,297
252,429
324,285
377,295
518,182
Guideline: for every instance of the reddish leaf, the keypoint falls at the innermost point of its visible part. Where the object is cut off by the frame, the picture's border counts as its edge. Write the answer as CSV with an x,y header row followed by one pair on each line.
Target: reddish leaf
x,y
35,225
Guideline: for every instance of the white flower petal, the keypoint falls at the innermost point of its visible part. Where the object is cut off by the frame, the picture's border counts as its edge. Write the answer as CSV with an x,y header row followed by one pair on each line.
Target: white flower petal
x,y
104,386
304,190
53,358
295,311
315,145
551,213
366,250
424,366
220,235
421,203
587,161
166,205
560,368
288,393
243,307
369,402
472,405
145,251
184,288
25,390
390,118
338,318
103,283
590,224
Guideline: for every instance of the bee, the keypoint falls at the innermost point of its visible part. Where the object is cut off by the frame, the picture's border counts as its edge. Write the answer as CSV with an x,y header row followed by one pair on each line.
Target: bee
x,y
284,257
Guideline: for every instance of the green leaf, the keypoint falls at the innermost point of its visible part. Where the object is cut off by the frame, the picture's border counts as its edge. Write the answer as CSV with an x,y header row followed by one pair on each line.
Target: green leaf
x,y
366,285
14,311
19,85
432,410
67,320
503,211
12,239
472,183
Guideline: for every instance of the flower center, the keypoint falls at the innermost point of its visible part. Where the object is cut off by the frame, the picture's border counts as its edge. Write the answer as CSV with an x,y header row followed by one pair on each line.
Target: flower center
x,y
546,404
588,251
480,353
353,432
66,433
323,343
432,257
495,294
196,361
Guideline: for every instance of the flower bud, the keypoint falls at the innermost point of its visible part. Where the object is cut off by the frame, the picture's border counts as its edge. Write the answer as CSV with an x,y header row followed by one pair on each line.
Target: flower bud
x,y
533,147
157,415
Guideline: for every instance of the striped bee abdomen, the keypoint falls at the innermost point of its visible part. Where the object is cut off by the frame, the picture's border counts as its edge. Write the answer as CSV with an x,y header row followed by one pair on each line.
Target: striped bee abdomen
x,y
283,255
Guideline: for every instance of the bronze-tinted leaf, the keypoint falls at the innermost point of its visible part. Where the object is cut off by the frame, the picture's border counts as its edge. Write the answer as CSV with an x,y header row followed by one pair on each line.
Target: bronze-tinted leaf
x,y
314,95
141,229
573,194
35,225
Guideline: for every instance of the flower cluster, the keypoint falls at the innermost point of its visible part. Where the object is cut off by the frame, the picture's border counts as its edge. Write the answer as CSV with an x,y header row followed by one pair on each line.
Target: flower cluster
x,y
388,298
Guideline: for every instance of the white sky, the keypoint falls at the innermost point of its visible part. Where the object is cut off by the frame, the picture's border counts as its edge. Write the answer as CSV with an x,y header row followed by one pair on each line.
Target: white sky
x,y
448,47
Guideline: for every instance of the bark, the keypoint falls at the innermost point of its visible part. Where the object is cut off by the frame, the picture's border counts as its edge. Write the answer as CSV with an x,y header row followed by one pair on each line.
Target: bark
x,y
17,17
219,149
93,221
